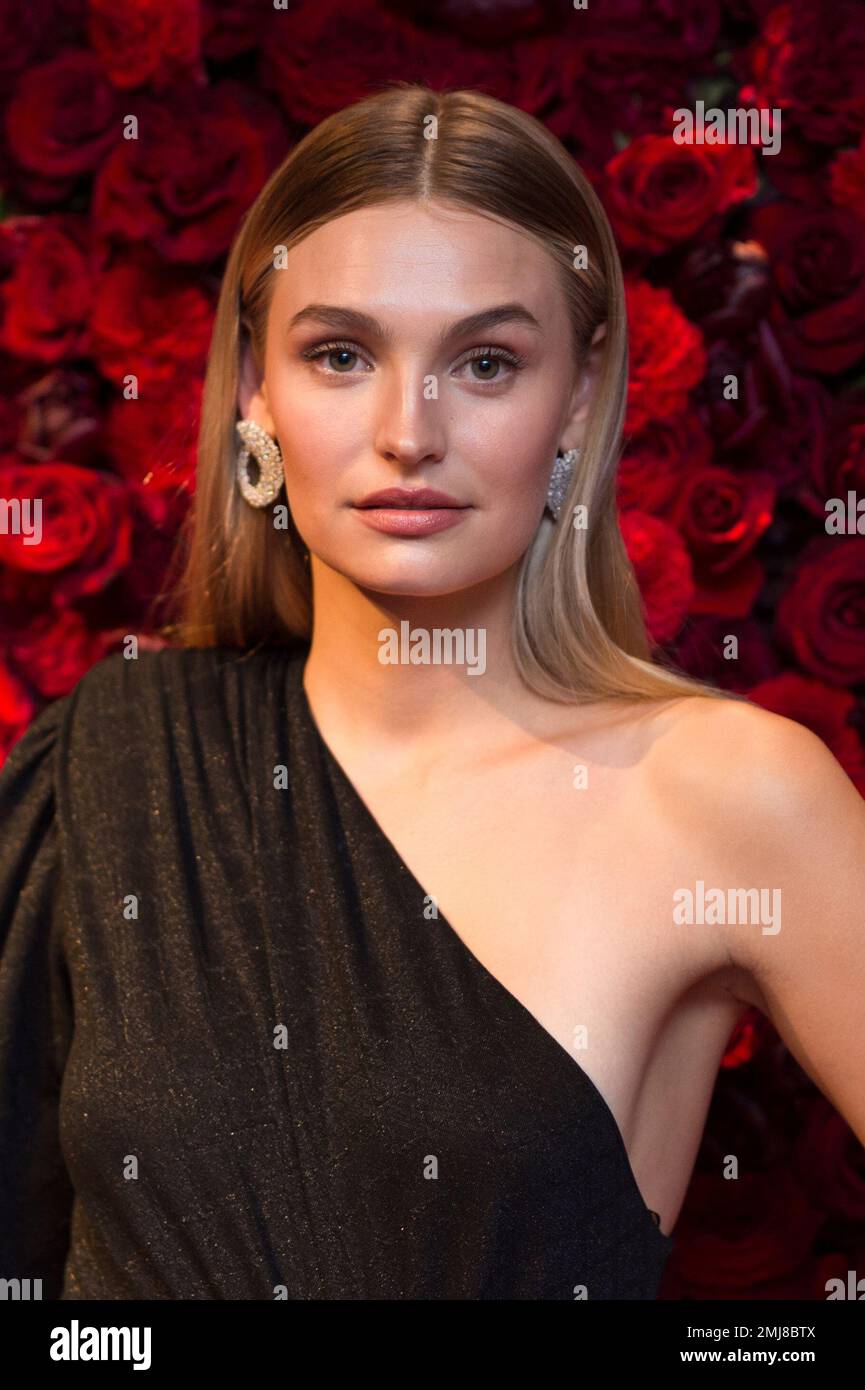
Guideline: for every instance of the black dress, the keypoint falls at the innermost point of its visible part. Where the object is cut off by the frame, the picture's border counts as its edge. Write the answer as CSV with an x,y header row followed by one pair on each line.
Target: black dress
x,y
240,1056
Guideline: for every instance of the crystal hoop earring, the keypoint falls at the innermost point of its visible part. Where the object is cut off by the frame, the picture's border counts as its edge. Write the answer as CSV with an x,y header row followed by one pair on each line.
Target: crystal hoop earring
x,y
265,450
560,480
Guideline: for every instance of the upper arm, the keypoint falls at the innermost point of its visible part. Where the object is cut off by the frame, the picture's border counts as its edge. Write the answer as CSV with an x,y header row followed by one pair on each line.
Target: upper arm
x,y
801,831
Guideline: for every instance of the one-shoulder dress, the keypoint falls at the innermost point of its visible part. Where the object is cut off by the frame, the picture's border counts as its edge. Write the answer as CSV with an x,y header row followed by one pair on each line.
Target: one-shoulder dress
x,y
242,1055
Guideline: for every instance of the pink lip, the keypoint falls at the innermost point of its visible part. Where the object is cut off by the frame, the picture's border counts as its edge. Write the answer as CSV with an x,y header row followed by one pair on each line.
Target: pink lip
x,y
411,521
408,497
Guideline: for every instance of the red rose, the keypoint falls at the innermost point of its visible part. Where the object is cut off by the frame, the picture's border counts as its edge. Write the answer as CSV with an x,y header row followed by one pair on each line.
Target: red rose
x,y
150,321
839,465
847,180
656,462
47,298
823,709
721,516
818,268
16,710
63,119
153,443
667,356
663,572
813,70
81,538
319,58
659,193
185,183
147,40
821,616
55,650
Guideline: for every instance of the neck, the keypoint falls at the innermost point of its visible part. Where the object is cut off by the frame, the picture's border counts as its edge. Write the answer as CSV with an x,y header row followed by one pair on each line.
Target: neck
x,y
414,672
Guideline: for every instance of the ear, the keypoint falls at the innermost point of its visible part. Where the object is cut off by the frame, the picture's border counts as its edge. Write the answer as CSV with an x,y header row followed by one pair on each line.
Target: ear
x,y
584,391
251,392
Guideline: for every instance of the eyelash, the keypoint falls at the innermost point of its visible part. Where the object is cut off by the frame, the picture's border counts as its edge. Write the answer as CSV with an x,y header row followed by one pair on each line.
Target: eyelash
x,y
511,359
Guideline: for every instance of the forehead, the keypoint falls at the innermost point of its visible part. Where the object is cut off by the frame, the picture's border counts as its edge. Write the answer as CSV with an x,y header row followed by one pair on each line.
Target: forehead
x,y
404,256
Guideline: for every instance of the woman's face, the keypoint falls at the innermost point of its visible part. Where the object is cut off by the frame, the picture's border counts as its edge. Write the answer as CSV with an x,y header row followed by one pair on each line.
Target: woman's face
x,y
374,380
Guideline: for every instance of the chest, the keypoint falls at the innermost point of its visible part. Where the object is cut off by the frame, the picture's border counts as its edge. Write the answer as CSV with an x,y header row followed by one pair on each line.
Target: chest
x,y
562,887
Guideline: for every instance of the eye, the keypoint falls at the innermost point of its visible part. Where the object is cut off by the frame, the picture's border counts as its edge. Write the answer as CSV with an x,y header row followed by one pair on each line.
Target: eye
x,y
486,364
340,356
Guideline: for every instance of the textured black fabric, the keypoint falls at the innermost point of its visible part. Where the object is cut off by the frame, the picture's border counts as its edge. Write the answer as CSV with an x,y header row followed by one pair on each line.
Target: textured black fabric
x,y
415,1133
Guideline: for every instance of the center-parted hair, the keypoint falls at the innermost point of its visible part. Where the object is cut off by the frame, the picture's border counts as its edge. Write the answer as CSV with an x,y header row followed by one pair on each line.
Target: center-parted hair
x,y
578,626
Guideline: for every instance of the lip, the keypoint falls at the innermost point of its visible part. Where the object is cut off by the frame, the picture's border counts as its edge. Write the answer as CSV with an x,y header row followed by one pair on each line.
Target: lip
x,y
411,521
406,498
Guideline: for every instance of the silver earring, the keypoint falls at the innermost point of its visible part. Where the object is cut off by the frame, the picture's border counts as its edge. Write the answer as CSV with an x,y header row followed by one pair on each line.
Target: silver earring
x,y
258,443
560,480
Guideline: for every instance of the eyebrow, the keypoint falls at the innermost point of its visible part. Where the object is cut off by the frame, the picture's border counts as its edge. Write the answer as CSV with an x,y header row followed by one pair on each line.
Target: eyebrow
x,y
344,320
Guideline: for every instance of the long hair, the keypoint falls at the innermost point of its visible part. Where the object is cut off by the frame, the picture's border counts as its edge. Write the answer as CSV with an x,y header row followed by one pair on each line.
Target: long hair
x,y
578,626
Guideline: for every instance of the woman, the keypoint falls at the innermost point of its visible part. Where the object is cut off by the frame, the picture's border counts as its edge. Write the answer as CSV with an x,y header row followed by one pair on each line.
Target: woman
x,y
347,950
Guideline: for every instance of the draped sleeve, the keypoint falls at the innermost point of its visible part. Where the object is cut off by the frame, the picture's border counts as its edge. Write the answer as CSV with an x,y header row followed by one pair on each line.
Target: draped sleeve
x,y
35,1013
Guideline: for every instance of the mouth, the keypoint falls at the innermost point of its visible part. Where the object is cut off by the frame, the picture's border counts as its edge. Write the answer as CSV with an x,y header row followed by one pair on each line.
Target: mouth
x,y
405,500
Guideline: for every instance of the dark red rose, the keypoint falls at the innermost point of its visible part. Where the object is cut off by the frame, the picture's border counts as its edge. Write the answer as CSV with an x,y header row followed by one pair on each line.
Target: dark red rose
x,y
663,572
839,467
152,322
658,193
821,616
657,461
63,118
809,61
55,650
318,58
748,1238
16,710
231,27
818,269
847,180
667,356
47,299
473,21
723,287
60,417
185,183
776,423
830,1163
147,41
721,515
634,55
30,33
83,536
823,709
675,32
702,649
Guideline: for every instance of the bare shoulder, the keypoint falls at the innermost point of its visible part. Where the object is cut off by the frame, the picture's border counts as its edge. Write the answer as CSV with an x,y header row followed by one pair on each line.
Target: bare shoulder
x,y
744,761
762,803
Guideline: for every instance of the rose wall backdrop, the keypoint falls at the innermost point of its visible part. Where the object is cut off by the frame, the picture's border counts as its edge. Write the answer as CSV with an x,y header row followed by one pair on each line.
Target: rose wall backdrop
x,y
746,301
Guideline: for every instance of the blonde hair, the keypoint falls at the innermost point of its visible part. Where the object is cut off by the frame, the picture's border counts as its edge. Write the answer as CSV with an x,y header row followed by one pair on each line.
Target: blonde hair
x,y
578,627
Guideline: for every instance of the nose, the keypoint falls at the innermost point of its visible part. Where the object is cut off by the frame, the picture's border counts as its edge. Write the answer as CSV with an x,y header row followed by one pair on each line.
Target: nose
x,y
410,427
